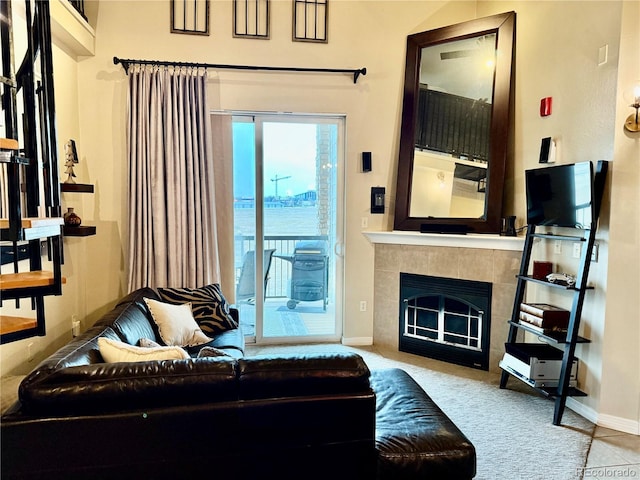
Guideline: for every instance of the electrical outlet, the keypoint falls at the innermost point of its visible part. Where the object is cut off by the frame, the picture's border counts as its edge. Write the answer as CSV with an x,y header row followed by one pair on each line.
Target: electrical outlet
x,y
364,222
603,55
363,306
75,325
576,250
557,247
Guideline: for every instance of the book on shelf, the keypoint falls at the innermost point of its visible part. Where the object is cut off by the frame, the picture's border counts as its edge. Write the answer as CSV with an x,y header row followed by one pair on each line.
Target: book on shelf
x,y
545,310
543,330
543,323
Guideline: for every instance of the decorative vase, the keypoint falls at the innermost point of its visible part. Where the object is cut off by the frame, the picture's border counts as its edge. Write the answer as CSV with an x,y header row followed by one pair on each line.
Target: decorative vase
x,y
71,219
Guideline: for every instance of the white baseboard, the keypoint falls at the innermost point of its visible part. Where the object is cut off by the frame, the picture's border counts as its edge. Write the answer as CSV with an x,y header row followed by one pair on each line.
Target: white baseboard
x,y
602,420
621,424
581,409
357,341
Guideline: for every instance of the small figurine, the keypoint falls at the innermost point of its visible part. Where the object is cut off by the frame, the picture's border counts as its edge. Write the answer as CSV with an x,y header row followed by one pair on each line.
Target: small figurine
x,y
71,157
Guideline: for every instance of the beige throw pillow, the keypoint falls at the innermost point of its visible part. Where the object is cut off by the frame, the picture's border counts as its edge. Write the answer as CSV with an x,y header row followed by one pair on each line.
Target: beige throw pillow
x,y
113,351
176,324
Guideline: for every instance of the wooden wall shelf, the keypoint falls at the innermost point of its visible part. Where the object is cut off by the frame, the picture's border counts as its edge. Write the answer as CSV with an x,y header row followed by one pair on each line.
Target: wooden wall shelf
x,y
76,187
81,231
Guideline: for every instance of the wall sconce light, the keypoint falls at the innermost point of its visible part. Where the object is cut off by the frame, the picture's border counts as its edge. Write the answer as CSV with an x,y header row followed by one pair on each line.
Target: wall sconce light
x,y
632,120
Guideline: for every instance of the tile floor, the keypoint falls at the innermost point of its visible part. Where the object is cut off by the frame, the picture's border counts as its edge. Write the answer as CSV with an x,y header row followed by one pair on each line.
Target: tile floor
x,y
308,318
613,454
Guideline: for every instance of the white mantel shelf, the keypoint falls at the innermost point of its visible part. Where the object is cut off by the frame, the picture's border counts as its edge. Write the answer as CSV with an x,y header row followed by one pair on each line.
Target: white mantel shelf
x,y
474,240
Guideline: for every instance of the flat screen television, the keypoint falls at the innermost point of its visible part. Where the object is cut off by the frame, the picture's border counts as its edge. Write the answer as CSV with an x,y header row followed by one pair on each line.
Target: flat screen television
x,y
560,195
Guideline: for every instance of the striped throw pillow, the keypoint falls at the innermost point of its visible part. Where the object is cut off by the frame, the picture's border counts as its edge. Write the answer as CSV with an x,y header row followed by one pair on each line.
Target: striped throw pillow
x,y
210,308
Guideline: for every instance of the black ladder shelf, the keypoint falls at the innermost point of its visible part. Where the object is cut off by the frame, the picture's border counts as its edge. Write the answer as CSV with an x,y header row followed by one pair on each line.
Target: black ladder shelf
x,y
563,341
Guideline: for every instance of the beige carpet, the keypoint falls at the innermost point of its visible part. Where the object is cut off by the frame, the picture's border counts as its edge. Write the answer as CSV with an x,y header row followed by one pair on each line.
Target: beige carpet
x,y
9,390
511,429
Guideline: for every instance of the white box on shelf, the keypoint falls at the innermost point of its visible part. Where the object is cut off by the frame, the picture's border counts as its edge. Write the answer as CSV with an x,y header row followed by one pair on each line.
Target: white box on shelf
x,y
532,363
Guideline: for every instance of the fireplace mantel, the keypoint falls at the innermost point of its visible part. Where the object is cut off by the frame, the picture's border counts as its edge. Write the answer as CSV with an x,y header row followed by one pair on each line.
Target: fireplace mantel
x,y
486,241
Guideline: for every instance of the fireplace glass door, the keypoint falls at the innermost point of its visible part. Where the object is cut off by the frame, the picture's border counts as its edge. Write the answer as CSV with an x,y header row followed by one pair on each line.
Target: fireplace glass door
x,y
445,318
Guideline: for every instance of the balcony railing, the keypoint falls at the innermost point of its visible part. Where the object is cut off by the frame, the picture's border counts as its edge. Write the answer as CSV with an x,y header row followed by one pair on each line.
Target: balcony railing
x,y
280,271
79,6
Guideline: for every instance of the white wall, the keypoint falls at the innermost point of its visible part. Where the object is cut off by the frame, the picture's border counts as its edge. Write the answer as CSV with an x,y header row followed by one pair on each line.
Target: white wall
x,y
556,55
361,34
620,387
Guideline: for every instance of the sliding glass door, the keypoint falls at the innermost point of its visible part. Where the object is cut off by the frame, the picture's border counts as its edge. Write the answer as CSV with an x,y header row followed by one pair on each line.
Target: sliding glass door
x,y
287,181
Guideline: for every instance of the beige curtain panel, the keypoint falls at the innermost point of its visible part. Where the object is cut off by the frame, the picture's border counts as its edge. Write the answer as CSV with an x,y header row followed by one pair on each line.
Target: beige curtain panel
x,y
172,225
221,126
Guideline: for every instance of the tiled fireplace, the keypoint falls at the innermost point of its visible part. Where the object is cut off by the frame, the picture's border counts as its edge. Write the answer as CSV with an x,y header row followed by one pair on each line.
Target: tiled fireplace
x,y
494,260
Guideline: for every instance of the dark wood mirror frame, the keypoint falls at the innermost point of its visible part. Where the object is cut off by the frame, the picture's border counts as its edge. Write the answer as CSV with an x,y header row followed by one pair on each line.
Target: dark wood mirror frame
x,y
504,26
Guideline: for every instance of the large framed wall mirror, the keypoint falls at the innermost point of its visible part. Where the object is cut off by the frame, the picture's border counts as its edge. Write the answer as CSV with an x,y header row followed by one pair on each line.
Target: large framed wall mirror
x,y
455,127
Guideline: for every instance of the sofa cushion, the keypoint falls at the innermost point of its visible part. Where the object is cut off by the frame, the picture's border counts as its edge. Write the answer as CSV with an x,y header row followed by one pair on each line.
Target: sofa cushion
x,y
231,342
210,308
176,324
131,321
138,296
116,351
148,343
414,437
265,376
212,352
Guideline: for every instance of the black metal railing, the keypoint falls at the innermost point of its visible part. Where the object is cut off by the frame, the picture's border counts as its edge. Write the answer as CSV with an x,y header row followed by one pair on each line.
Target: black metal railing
x,y
79,6
280,271
462,129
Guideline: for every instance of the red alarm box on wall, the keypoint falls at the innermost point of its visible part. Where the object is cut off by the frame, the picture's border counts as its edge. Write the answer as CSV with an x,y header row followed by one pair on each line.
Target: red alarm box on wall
x,y
545,106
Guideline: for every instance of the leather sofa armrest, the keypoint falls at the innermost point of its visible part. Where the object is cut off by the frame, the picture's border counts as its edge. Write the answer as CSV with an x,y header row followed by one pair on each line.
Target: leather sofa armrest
x,y
82,350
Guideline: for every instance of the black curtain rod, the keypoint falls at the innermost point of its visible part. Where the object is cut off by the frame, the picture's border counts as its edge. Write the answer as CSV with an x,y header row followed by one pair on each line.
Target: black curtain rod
x,y
127,62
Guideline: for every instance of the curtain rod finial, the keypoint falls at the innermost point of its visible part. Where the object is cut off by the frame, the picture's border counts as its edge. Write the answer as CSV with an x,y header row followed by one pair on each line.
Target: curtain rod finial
x,y
357,73
124,63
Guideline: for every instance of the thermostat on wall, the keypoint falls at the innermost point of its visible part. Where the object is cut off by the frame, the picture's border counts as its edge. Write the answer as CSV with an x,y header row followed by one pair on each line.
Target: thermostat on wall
x,y
377,199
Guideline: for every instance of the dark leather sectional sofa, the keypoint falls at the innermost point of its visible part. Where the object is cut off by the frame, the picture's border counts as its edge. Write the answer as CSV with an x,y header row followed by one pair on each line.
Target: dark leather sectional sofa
x,y
320,416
